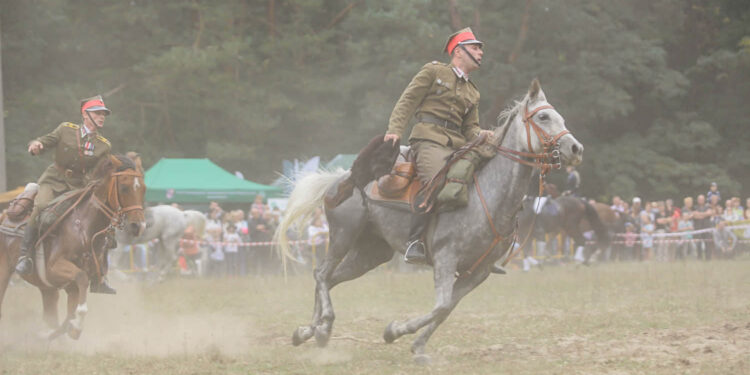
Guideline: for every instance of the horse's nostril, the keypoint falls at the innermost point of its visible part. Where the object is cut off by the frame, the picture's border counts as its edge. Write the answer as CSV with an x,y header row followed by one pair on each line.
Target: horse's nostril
x,y
576,149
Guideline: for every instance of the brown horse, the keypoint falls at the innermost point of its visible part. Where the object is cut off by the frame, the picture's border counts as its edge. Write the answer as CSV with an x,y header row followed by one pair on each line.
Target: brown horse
x,y
567,214
73,248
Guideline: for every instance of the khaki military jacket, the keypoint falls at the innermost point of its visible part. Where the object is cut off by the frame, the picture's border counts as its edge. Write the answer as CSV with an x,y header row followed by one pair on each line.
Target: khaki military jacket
x,y
74,163
439,93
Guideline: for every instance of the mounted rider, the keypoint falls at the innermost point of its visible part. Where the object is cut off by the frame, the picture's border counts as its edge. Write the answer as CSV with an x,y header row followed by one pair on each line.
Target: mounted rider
x,y
573,182
78,149
445,103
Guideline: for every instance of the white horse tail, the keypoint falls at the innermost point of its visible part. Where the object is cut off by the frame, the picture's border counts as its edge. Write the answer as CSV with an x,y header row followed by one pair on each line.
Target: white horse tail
x,y
308,194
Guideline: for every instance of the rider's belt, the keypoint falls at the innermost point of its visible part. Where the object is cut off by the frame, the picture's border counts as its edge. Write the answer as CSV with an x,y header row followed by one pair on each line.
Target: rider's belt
x,y
424,117
69,173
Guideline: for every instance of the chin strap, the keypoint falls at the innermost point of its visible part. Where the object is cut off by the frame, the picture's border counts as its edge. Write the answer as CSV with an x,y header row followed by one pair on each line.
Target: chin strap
x,y
92,119
463,47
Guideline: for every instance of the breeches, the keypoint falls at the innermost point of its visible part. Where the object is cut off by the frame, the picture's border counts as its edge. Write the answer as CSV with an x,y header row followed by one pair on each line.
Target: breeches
x,y
42,199
431,157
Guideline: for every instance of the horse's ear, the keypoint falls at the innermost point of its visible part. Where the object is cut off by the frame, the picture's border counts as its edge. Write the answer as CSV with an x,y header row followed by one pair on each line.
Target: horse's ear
x,y
535,91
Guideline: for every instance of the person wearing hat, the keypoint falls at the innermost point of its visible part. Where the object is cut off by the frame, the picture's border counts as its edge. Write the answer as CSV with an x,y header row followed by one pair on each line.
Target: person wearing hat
x,y
444,102
77,150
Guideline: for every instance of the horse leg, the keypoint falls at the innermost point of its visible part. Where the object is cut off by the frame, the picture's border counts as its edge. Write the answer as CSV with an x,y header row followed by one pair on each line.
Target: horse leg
x,y
50,296
367,254
64,272
444,283
461,288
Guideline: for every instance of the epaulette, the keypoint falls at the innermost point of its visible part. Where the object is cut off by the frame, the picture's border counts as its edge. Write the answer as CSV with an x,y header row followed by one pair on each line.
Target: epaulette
x,y
105,140
71,125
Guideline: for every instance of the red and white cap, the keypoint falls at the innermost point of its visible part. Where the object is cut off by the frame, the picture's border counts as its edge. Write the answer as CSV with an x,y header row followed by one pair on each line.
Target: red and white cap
x,y
461,37
94,103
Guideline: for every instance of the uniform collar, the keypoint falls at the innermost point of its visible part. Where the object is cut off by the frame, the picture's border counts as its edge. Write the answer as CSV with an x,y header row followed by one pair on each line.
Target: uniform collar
x,y
460,73
85,131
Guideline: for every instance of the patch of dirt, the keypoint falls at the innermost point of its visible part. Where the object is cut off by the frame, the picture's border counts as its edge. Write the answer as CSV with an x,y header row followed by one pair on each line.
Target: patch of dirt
x,y
123,325
670,348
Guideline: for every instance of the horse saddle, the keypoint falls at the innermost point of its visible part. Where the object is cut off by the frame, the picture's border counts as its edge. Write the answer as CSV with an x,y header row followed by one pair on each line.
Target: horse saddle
x,y
399,186
20,207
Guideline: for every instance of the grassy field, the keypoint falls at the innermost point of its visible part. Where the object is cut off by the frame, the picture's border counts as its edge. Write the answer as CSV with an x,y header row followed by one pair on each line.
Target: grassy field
x,y
630,318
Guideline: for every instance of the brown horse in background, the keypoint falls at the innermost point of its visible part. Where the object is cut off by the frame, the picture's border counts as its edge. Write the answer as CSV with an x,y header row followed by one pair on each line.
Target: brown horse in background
x,y
567,214
73,248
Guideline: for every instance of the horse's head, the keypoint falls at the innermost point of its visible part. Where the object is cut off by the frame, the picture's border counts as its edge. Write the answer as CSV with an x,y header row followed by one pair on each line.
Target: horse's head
x,y
545,139
125,191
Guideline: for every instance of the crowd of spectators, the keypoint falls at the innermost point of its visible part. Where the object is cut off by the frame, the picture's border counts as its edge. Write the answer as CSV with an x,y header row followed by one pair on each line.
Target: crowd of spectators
x,y
235,244
663,231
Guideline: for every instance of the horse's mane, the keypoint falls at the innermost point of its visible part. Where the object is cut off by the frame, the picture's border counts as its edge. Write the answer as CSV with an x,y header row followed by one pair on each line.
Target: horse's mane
x,y
506,117
106,166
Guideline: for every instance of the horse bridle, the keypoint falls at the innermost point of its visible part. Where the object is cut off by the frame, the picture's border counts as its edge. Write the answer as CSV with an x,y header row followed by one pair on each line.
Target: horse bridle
x,y
113,209
546,160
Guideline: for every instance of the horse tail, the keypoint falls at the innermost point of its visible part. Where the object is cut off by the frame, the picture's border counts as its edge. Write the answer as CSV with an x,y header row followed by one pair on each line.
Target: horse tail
x,y
197,220
308,194
602,235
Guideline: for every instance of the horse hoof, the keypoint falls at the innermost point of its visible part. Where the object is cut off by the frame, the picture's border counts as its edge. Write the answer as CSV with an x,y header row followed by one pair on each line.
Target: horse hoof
x,y
388,334
297,340
74,333
321,338
422,359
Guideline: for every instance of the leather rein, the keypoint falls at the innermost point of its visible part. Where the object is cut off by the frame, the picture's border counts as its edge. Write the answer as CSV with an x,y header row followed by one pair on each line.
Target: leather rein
x,y
546,160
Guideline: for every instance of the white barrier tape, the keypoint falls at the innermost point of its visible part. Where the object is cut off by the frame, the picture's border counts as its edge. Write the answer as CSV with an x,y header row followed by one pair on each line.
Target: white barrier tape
x,y
250,244
699,231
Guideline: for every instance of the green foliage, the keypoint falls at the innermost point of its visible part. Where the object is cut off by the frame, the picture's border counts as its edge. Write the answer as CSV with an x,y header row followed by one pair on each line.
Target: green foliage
x,y
655,89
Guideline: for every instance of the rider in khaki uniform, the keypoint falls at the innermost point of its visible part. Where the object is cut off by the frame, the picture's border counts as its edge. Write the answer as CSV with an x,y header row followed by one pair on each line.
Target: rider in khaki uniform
x,y
445,104
78,149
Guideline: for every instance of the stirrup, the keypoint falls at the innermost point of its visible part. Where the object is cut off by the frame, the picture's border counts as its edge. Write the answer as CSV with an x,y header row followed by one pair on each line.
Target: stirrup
x,y
415,253
498,270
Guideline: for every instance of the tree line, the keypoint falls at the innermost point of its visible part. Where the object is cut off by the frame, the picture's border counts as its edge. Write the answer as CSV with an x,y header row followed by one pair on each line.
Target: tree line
x,y
656,90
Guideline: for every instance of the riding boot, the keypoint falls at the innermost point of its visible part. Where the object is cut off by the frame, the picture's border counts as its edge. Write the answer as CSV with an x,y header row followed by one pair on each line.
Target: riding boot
x,y
101,286
25,261
415,248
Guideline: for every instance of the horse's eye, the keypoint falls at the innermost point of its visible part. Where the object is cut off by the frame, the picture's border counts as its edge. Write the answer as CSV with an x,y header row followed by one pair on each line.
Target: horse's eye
x,y
544,117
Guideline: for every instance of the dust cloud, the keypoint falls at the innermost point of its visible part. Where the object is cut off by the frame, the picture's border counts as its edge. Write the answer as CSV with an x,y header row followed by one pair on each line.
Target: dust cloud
x,y
123,325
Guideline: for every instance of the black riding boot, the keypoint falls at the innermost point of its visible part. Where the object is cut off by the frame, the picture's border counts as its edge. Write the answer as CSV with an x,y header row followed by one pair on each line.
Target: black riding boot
x,y
25,262
415,249
101,286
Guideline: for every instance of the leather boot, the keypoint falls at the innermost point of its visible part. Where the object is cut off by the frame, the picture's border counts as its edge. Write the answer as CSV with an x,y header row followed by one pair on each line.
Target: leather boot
x,y
415,249
101,286
25,261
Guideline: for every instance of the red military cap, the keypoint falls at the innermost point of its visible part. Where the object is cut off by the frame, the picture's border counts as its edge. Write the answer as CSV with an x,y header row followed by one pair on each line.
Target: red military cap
x,y
94,103
460,37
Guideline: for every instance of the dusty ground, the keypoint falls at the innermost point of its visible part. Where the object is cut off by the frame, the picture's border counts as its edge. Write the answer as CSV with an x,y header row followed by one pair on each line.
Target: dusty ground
x,y
631,318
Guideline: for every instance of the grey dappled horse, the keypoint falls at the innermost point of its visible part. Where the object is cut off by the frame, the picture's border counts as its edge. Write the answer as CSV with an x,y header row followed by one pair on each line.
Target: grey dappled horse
x,y
362,236
167,224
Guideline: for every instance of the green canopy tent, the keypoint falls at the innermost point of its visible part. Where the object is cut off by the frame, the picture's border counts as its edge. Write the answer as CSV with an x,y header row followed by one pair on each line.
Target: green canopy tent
x,y
200,181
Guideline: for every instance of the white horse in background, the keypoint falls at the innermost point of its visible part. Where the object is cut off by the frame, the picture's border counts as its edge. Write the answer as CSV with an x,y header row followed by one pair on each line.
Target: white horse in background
x,y
166,224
